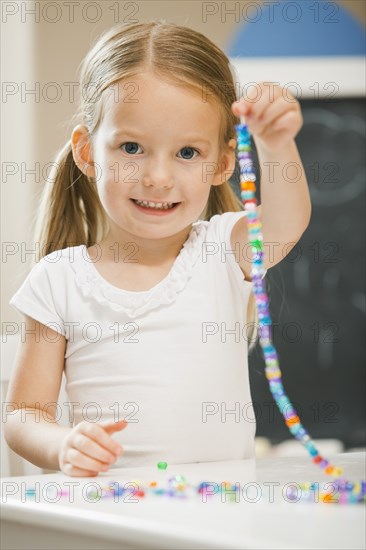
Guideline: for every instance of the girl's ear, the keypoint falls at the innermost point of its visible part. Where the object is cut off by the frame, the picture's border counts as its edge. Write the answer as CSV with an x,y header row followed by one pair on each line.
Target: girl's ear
x,y
82,151
226,164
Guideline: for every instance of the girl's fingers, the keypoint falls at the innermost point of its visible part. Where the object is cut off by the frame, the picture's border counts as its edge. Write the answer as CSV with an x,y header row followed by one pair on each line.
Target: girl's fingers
x,y
112,427
91,448
98,433
275,110
255,104
239,108
255,107
291,119
85,462
271,115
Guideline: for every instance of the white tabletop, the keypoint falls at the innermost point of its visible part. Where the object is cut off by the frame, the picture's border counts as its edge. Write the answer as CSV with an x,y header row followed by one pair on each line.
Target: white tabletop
x,y
258,521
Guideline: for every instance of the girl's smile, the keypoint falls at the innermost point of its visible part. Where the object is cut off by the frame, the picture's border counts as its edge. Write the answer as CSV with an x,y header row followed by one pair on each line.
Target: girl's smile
x,y
161,209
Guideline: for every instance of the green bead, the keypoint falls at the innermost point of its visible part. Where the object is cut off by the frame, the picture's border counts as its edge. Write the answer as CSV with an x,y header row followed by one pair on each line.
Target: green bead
x,y
162,465
257,244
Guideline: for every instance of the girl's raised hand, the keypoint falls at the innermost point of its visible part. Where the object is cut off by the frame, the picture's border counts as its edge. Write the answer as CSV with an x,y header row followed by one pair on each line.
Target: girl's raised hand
x,y
273,117
88,448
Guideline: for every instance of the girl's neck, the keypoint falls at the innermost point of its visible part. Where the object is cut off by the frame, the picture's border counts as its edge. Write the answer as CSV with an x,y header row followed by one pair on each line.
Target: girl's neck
x,y
148,252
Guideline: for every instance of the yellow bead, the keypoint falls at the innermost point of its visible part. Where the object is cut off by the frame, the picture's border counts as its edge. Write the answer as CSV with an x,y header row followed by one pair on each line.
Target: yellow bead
x,y
274,374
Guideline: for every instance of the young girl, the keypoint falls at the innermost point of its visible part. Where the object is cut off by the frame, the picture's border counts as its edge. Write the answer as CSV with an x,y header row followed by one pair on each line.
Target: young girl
x,y
142,292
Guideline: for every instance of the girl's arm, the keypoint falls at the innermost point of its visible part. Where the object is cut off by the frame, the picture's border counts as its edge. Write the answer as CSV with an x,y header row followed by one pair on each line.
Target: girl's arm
x,y
32,431
29,426
285,211
285,198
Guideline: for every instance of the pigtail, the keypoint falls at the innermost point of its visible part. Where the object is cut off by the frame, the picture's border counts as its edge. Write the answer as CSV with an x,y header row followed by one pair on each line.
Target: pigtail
x,y
69,212
222,199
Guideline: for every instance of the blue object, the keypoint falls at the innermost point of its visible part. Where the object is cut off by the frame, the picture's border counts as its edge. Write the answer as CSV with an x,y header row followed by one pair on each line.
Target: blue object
x,y
290,29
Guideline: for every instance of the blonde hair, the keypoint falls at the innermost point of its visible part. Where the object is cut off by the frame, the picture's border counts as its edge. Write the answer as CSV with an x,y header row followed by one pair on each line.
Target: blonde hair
x,y
70,212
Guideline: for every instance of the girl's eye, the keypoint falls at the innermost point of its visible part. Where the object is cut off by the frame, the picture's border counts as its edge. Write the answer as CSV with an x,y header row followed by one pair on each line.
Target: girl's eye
x,y
188,149
130,147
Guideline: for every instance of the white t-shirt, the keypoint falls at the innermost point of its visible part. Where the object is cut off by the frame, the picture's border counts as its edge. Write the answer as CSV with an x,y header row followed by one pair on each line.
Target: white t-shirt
x,y
172,360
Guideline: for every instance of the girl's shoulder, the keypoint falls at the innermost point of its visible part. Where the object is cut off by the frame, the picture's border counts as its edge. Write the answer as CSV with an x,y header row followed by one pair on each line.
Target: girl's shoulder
x,y
47,290
63,256
220,226
54,268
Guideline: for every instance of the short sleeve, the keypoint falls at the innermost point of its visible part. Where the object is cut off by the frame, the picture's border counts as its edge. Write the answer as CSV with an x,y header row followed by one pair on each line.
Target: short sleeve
x,y
223,225
36,298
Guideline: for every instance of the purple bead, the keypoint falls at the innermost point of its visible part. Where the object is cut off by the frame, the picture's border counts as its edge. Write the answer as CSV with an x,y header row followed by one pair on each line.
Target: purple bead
x,y
265,332
290,412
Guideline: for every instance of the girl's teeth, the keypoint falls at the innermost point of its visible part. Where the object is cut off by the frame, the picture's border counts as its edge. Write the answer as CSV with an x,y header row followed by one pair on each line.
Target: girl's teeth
x,y
158,205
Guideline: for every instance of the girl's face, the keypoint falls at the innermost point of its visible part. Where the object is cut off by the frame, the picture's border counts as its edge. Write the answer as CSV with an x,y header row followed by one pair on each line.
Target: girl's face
x,y
156,142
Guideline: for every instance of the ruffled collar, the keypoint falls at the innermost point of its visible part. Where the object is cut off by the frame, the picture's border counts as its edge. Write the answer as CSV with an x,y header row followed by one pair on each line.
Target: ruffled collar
x,y
134,303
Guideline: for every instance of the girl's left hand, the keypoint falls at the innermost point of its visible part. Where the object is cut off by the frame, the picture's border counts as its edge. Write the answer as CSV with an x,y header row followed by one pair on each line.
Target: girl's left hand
x,y
274,118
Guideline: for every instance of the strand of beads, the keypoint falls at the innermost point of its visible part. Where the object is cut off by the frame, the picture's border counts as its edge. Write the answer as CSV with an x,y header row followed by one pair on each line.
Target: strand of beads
x,y
272,369
178,487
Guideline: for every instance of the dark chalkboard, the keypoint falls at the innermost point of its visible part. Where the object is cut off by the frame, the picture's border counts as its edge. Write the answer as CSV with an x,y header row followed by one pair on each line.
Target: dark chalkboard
x,y
317,293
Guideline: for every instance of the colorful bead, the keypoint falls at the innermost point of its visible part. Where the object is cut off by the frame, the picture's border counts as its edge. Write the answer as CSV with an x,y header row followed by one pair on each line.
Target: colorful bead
x,y
162,465
247,185
292,421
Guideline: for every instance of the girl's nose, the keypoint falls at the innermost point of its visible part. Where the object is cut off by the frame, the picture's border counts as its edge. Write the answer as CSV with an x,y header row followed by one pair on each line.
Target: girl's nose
x,y
158,174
